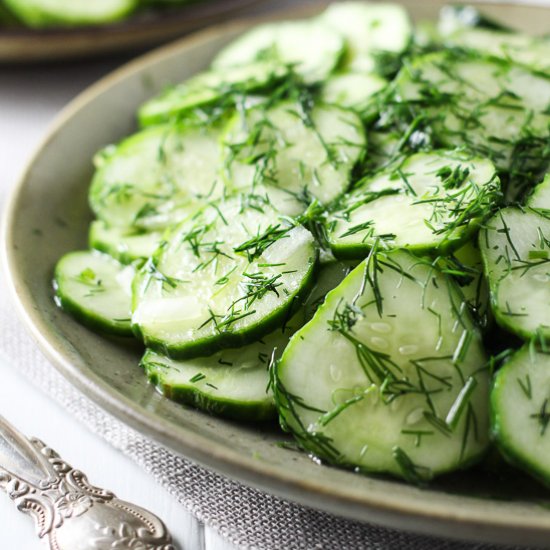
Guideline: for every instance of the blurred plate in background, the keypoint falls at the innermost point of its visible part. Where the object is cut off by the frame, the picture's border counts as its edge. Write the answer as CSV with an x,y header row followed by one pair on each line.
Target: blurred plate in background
x,y
26,45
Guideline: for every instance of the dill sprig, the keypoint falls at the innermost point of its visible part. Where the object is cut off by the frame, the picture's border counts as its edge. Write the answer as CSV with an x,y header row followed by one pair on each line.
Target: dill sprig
x,y
413,473
542,416
254,247
153,272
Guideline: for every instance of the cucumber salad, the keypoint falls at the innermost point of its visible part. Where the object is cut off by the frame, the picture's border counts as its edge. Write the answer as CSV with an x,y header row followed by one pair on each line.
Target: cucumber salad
x,y
343,224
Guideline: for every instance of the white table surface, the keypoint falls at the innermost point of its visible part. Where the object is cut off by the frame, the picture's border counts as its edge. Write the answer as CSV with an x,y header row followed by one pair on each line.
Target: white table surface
x,y
29,100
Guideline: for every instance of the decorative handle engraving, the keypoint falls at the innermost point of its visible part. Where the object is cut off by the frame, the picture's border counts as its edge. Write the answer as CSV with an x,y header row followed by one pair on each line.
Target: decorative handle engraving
x,y
68,512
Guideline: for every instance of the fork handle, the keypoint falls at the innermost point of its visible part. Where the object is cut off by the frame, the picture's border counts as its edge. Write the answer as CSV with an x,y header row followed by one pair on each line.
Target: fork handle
x,y
69,512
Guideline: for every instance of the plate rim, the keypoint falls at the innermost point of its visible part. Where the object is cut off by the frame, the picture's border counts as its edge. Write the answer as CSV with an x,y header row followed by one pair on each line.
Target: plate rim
x,y
388,511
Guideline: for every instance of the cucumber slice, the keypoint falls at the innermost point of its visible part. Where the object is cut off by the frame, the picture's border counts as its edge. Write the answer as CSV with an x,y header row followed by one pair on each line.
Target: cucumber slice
x,y
530,162
470,78
44,13
209,87
540,198
484,104
384,149
521,411
426,36
515,245
330,275
465,265
223,278
369,29
96,290
125,245
352,90
156,177
360,386
300,150
452,18
433,201
311,47
232,383
519,48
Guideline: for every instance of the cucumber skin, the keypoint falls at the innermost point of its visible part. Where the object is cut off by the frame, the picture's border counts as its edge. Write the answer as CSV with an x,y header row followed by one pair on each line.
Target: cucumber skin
x,y
217,342
541,188
505,321
147,119
95,242
7,18
251,412
281,403
445,246
88,319
122,257
511,456
361,251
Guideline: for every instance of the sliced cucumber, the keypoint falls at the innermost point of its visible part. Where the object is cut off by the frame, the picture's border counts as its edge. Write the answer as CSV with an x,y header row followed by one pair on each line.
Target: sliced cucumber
x,y
156,177
369,29
515,245
330,275
462,77
301,151
44,13
520,404
209,87
96,290
312,48
484,104
466,267
223,278
432,201
540,198
360,386
426,36
519,48
125,245
384,149
352,90
454,17
233,383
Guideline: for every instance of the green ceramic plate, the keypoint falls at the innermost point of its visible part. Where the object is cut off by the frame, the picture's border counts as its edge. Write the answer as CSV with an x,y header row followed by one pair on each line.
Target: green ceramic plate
x,y
40,227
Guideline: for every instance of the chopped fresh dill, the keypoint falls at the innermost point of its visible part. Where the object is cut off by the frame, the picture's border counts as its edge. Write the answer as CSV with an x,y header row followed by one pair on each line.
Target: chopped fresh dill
x,y
542,416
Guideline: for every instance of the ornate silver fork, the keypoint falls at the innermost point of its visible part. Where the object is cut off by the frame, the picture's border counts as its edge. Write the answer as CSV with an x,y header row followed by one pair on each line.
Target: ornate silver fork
x,y
69,513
